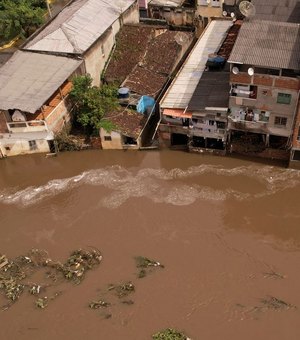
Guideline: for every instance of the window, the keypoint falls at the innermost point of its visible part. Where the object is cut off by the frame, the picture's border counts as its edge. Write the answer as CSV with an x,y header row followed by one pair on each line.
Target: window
x,y
280,121
107,138
32,145
284,98
298,137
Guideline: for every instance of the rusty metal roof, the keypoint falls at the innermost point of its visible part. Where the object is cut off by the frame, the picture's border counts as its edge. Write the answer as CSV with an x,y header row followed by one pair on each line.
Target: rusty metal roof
x,y
78,26
28,79
268,44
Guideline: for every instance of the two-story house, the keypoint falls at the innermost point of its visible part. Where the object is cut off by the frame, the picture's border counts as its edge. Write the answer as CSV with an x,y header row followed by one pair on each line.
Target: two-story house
x,y
264,79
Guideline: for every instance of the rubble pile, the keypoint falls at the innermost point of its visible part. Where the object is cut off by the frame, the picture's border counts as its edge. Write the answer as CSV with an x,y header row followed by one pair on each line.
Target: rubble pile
x,y
146,265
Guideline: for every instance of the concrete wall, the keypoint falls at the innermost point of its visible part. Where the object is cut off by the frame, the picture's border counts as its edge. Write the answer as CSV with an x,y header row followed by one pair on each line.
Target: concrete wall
x,y
97,56
174,16
21,147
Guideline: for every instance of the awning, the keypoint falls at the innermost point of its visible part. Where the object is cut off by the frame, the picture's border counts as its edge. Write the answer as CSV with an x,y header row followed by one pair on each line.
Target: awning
x,y
177,113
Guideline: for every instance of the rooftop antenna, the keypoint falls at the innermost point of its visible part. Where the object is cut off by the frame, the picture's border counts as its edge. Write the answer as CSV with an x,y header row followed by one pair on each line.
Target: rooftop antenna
x,y
247,9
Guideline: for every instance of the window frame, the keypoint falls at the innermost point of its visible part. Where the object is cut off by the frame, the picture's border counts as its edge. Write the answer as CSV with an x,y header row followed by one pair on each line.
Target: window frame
x,y
281,96
279,121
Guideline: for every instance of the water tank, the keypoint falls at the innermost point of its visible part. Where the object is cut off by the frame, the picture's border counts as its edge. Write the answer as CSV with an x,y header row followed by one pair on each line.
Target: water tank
x,y
123,92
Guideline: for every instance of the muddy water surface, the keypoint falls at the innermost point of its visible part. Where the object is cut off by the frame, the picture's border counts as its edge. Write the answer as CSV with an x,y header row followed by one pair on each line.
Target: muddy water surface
x,y
227,231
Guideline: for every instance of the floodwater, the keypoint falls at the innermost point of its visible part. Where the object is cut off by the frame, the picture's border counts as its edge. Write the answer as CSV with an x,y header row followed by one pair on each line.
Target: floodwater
x,y
227,231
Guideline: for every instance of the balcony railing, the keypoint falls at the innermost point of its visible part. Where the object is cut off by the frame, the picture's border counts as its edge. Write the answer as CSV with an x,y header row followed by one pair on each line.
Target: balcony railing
x,y
28,126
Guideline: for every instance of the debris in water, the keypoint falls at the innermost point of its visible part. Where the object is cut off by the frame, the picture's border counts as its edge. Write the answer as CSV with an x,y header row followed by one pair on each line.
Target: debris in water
x,y
128,302
14,272
274,275
145,265
35,289
42,302
122,290
170,334
98,304
78,263
274,303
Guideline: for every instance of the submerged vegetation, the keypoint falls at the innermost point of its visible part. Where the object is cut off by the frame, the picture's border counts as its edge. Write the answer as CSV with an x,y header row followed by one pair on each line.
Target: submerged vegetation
x,y
145,265
14,274
169,334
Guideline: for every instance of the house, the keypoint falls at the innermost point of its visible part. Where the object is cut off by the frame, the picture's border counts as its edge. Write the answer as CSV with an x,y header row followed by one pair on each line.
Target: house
x,y
264,79
180,108
34,104
210,101
85,29
208,9
142,64
174,12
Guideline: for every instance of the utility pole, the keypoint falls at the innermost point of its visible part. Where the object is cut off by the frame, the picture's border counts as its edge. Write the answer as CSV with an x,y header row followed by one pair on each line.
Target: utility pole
x,y
49,9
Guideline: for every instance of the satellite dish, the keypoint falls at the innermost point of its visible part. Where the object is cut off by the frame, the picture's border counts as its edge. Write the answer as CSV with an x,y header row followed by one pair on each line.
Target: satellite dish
x,y
247,9
232,15
235,70
250,71
224,14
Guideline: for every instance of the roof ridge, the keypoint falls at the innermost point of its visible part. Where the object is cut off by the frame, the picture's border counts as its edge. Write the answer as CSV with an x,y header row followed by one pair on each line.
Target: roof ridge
x,y
69,37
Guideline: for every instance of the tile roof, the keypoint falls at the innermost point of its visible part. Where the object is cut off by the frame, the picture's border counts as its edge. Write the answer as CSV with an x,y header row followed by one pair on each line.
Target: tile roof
x,y
78,26
268,44
28,79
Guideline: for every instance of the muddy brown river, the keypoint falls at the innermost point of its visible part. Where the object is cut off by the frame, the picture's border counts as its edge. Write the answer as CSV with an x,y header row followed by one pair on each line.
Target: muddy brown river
x,y
227,231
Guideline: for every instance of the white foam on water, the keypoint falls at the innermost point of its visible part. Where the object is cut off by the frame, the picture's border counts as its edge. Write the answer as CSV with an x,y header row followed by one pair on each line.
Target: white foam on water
x,y
159,185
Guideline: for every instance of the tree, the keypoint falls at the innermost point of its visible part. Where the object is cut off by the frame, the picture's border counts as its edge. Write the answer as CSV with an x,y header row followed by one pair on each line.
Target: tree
x,y
91,103
20,17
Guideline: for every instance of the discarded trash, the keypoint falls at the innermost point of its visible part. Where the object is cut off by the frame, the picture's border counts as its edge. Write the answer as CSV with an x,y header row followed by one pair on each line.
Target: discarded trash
x,y
128,302
42,302
170,334
122,290
98,304
145,265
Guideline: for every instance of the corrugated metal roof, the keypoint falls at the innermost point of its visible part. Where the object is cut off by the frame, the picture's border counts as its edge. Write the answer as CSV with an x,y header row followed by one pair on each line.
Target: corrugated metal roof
x,y
29,79
268,44
211,91
78,26
277,10
182,88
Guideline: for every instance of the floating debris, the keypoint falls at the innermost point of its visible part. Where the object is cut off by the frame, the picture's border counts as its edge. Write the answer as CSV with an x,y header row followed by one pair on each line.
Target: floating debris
x,y
123,290
273,275
42,302
35,289
99,304
11,287
274,303
14,272
170,334
78,263
128,302
145,265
